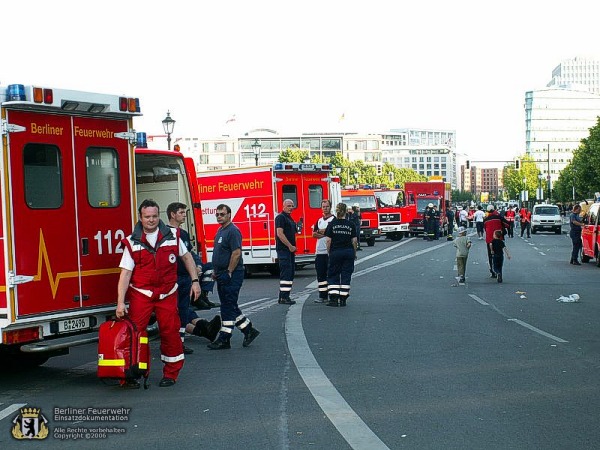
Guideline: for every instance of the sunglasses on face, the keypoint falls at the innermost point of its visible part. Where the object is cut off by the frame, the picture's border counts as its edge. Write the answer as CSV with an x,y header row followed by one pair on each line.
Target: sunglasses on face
x,y
223,214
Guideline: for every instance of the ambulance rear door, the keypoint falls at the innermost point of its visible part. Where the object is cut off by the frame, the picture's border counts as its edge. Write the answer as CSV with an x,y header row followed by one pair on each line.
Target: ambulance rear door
x,y
71,204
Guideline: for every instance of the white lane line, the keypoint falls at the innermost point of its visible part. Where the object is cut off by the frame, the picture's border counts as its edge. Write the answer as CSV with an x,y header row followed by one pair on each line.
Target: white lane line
x,y
11,409
537,330
253,301
385,250
352,428
478,300
542,253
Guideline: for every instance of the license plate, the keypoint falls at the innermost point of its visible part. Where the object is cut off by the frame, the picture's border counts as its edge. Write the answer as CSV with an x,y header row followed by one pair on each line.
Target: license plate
x,y
68,325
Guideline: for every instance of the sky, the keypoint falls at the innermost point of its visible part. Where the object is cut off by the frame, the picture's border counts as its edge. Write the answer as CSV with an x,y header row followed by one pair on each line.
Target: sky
x,y
299,66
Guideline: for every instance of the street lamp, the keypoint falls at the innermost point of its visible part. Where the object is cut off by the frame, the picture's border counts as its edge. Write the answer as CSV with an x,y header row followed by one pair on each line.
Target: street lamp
x,y
168,125
256,149
540,193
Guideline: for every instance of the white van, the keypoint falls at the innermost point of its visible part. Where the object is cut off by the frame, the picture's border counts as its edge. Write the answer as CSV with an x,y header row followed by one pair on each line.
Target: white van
x,y
546,218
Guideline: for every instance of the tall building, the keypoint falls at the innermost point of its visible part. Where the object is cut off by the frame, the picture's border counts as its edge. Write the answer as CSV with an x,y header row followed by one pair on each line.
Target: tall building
x,y
577,71
556,119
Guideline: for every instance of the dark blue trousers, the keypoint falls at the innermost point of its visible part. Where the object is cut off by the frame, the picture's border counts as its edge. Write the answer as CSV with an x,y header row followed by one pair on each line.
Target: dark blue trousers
x,y
339,274
228,289
287,269
321,263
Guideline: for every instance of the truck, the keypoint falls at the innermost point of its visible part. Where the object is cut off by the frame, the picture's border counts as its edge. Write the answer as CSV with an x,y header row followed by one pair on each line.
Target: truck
x,y
394,214
365,198
419,194
71,184
255,196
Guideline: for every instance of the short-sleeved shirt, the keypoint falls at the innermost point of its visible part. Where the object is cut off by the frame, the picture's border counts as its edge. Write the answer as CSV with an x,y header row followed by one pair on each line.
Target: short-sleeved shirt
x,y
575,229
127,261
341,232
285,222
321,242
497,246
227,240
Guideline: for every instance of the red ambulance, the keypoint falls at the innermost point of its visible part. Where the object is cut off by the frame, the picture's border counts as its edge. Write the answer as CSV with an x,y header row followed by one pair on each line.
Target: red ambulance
x,y
255,196
68,195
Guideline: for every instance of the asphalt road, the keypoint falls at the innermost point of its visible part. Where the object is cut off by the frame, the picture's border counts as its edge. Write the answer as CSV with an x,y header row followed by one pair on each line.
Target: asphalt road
x,y
414,361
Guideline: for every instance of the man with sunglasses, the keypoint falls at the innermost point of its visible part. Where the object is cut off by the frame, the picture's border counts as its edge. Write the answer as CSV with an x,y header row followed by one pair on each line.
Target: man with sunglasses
x,y
228,271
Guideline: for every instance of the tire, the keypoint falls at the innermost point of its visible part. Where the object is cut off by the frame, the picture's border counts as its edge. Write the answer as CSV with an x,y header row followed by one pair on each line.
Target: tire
x,y
558,231
274,270
396,236
533,231
371,242
597,257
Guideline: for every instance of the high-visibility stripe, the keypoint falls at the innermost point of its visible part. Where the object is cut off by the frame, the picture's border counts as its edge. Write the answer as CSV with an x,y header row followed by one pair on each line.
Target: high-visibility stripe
x,y
172,359
244,324
143,339
285,289
226,330
143,365
111,362
286,282
228,322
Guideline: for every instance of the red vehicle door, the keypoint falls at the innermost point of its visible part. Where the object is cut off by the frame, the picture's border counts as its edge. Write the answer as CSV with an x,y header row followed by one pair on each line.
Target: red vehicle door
x,y
306,190
60,239
104,209
589,232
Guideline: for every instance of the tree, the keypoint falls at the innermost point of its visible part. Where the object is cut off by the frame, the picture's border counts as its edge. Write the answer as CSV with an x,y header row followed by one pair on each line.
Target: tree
x,y
293,155
525,178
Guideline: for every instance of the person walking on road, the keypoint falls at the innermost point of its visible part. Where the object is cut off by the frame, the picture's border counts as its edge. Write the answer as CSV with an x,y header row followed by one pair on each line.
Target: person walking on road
x,y
341,244
148,280
492,223
228,272
509,215
356,220
463,245
322,256
525,216
498,248
190,322
285,245
575,222
478,218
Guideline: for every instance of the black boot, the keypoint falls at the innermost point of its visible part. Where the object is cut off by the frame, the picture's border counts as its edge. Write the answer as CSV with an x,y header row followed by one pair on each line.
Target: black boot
x,y
333,301
206,329
249,336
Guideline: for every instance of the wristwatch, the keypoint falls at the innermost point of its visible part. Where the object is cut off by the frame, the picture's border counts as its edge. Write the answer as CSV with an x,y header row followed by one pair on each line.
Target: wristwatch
x,y
195,280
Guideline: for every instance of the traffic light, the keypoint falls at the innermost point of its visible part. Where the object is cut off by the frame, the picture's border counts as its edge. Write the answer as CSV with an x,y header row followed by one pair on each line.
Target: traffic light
x,y
517,164
468,164
379,170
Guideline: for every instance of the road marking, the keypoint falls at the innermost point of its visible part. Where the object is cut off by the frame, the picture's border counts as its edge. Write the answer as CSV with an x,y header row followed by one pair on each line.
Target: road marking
x,y
537,330
11,409
352,428
478,300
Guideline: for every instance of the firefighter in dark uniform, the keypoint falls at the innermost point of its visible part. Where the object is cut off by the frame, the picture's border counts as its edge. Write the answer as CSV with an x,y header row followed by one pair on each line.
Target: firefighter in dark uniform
x,y
436,222
285,245
341,242
428,219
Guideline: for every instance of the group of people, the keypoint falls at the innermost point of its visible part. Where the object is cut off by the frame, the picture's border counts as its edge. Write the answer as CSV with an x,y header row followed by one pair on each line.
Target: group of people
x,y
160,274
431,222
494,227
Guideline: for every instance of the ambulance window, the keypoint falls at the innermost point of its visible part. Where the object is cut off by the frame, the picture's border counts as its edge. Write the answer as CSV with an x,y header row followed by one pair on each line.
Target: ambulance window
x,y
104,190
42,176
289,192
315,195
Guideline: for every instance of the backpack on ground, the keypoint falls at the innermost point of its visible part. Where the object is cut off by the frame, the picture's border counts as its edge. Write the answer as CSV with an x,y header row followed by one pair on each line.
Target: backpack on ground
x,y
123,352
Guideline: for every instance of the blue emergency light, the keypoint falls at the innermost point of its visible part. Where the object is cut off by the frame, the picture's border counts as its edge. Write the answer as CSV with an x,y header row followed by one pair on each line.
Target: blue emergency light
x,y
140,140
16,92
278,166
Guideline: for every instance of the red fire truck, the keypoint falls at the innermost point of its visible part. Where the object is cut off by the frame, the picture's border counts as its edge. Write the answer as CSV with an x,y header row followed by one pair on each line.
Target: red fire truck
x,y
68,195
419,194
394,215
255,196
367,202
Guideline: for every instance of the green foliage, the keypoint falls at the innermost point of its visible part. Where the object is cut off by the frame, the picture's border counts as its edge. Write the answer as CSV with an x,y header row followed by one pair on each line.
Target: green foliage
x,y
526,178
293,155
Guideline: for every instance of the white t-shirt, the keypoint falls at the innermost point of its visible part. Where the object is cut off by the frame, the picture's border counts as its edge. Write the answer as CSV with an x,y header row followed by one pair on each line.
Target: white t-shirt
x,y
479,215
127,261
463,215
322,242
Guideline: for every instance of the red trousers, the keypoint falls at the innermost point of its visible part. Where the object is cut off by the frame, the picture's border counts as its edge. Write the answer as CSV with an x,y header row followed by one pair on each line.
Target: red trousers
x,y
167,316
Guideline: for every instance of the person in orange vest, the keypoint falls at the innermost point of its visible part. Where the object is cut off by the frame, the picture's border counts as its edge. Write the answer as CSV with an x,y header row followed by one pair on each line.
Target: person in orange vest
x,y
525,216
509,215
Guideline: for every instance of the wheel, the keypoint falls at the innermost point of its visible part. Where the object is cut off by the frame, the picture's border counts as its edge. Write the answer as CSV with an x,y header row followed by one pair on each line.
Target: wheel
x,y
597,257
396,236
371,242
558,231
274,270
533,231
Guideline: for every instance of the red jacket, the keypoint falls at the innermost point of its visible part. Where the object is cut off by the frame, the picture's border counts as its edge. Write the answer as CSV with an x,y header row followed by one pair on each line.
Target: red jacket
x,y
155,268
509,215
492,223
525,215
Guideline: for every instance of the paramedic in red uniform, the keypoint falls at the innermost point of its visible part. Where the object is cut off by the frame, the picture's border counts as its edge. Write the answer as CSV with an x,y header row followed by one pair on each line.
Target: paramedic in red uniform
x,y
149,282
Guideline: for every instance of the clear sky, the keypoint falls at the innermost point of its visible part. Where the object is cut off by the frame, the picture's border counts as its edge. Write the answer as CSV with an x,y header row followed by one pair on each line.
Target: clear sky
x,y
297,66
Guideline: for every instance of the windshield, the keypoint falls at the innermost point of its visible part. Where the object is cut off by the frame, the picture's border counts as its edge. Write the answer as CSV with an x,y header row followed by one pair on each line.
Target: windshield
x,y
423,202
388,199
547,211
364,201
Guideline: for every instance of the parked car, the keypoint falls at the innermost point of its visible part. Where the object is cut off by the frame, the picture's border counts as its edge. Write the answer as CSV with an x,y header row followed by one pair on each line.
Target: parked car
x,y
545,217
589,234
